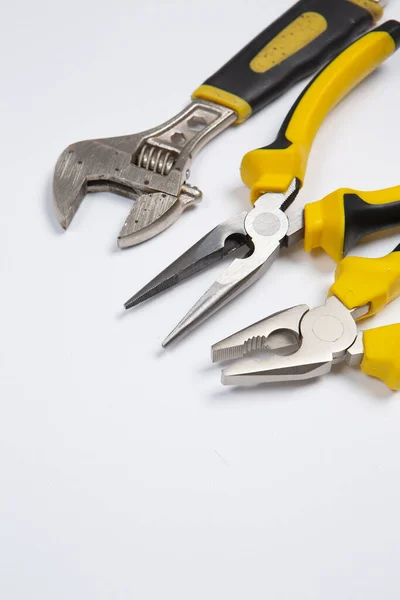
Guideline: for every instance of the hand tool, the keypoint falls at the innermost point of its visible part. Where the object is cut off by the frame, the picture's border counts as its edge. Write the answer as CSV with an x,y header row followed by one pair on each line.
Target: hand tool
x,y
275,175
307,342
153,167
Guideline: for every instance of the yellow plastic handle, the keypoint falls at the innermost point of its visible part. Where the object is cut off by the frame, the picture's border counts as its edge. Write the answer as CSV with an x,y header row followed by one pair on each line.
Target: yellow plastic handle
x,y
340,220
272,169
368,281
382,354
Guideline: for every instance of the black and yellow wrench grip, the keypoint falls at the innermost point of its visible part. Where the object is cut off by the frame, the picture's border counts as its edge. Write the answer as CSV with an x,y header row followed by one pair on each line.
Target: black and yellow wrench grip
x,y
295,46
271,169
343,218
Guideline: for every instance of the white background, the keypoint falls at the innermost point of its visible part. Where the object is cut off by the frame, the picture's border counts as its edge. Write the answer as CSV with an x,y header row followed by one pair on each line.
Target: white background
x,y
127,471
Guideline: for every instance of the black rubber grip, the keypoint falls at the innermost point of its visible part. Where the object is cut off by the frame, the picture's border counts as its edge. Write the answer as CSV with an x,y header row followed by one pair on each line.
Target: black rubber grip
x,y
345,22
362,219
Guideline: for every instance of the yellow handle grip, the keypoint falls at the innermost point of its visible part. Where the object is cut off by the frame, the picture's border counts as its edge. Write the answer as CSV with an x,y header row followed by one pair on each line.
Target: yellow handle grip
x,y
368,281
340,220
382,354
272,169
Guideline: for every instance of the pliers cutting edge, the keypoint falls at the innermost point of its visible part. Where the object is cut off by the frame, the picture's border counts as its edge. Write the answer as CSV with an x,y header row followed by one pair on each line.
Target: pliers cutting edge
x,y
307,342
275,175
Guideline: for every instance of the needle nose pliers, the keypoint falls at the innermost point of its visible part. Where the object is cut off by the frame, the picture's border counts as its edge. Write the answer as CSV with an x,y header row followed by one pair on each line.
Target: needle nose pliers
x,y
275,175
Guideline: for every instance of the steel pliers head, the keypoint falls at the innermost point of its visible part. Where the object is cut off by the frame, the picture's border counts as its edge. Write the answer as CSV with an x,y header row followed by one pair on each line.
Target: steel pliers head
x,y
259,233
304,343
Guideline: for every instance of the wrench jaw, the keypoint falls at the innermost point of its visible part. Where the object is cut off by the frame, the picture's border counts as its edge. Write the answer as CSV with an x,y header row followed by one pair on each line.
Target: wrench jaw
x,y
153,166
81,169
151,214
69,185
66,204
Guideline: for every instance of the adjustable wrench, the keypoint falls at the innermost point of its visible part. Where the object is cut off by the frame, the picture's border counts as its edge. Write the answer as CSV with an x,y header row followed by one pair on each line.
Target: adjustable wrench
x,y
153,167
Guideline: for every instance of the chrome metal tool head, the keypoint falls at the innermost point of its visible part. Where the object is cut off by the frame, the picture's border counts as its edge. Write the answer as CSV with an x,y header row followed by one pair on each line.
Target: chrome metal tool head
x,y
152,167
306,343
267,229
261,232
222,241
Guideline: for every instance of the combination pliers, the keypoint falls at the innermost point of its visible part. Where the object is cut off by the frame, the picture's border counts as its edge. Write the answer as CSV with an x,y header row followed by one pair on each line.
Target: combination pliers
x,y
305,342
275,175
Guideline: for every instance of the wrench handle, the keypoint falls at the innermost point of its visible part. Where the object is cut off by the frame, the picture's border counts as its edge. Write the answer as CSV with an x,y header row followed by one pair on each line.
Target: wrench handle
x,y
295,46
